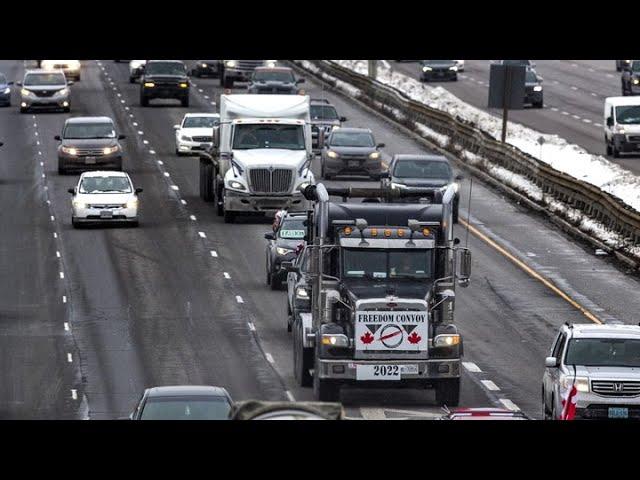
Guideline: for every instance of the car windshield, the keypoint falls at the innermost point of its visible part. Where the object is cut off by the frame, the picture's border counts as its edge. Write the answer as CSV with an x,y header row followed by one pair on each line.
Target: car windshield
x,y
531,77
422,169
380,264
3,79
165,68
292,229
201,407
603,352
105,185
274,76
289,137
323,112
431,62
351,139
89,130
628,114
38,79
200,122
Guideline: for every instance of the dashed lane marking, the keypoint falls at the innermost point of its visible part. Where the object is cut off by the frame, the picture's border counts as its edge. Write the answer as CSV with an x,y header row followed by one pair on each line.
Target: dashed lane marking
x,y
160,162
202,235
74,394
490,385
289,396
152,152
251,326
471,367
214,253
64,299
193,217
66,326
57,254
69,358
239,299
509,404
61,275
175,187
226,275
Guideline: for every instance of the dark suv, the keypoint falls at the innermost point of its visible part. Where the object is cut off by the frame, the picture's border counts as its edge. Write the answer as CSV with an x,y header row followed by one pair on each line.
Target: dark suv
x,y
282,245
631,79
89,143
438,70
533,89
164,79
351,151
276,80
324,116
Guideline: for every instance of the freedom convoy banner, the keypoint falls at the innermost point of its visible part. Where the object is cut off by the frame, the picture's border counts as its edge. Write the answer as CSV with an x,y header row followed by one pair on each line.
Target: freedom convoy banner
x,y
386,331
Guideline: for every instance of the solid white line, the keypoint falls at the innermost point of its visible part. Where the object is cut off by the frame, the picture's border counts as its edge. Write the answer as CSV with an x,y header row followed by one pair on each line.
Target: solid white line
x,y
214,253
66,327
64,299
239,299
193,217
226,275
471,367
55,235
251,326
74,394
202,235
509,404
69,358
269,357
289,396
61,275
490,385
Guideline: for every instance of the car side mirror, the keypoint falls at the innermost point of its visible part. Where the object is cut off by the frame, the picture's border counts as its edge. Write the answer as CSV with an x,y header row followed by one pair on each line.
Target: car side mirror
x,y
58,138
176,127
380,145
70,82
121,137
384,175
459,177
551,362
609,121
10,83
139,190
269,236
72,191
289,267
300,80
343,119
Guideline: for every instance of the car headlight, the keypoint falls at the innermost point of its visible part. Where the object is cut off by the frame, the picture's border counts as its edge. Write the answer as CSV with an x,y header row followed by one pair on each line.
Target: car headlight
x,y
7,90
149,84
203,65
236,185
636,81
301,292
185,138
397,186
26,93
133,203
70,150
74,65
283,251
446,340
537,88
620,129
184,85
230,63
426,69
109,150
454,68
63,91
332,154
374,155
582,383
79,204
335,340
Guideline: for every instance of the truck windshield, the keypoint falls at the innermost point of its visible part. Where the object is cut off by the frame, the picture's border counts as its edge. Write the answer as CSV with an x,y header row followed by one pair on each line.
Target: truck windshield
x,y
288,137
380,264
422,169
628,114
273,76
323,112
168,68
603,352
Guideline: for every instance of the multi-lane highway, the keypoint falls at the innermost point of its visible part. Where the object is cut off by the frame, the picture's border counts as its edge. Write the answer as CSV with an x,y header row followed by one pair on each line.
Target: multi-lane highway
x,y
91,317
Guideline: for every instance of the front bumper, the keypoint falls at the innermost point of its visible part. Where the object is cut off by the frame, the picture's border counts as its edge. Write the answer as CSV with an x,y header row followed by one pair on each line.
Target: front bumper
x,y
347,166
191,147
71,162
533,97
438,75
94,215
237,202
592,406
54,101
627,143
428,370
165,92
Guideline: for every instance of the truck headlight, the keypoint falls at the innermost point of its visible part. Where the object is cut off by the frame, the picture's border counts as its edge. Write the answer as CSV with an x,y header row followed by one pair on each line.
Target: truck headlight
x,y
133,203
236,185
149,84
446,340
374,156
454,68
335,340
283,251
185,138
110,150
79,204
397,186
184,85
26,93
537,88
230,63
426,69
301,292
636,81
7,90
582,383
332,154
70,150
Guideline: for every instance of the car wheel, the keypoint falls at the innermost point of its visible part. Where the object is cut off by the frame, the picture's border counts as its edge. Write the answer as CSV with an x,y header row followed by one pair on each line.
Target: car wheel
x,y
615,151
74,224
289,317
546,415
144,101
302,359
185,102
132,79
219,198
276,283
609,150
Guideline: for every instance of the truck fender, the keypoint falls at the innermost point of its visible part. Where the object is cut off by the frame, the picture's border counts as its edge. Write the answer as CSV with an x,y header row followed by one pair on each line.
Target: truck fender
x,y
307,329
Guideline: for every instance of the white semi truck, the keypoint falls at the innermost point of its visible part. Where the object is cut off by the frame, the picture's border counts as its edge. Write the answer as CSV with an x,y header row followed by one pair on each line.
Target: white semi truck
x,y
260,156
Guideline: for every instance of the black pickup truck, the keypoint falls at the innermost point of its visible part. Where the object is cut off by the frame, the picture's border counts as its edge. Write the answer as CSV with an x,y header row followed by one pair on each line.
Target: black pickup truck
x,y
164,79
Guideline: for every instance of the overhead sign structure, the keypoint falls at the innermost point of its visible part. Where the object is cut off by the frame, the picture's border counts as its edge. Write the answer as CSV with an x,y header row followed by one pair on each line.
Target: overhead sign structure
x,y
506,90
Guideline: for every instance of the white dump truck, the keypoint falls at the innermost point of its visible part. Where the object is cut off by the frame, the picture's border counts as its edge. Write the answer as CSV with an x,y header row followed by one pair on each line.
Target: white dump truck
x,y
260,156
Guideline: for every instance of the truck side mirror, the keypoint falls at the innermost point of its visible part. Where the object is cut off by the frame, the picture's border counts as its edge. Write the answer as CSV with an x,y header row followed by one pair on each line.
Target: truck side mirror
x,y
72,191
269,236
139,190
551,362
465,267
384,174
121,137
343,119
459,177
57,137
300,80
215,138
609,121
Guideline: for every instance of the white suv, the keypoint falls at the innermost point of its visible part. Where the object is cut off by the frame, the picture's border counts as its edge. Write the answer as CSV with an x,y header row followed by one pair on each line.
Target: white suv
x,y
104,197
604,363
195,132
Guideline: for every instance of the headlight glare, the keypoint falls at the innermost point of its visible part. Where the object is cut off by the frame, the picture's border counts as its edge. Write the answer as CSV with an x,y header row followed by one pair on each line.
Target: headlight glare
x,y
230,63
446,340
332,154
454,68
301,292
149,84
236,185
335,340
70,150
283,251
109,150
26,92
374,155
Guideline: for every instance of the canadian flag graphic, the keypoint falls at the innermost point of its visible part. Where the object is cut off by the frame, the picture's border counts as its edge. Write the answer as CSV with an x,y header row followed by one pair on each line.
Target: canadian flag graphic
x,y
569,404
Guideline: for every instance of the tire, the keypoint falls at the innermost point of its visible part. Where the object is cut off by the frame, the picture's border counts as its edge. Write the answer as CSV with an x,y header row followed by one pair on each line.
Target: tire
x,y
276,283
614,151
227,82
185,102
66,109
74,224
455,79
302,359
132,79
229,217
456,212
609,150
78,78
206,181
448,392
144,101
325,390
289,317
219,204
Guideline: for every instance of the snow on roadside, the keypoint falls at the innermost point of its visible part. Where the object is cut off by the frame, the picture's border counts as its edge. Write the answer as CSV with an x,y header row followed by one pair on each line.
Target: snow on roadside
x,y
555,151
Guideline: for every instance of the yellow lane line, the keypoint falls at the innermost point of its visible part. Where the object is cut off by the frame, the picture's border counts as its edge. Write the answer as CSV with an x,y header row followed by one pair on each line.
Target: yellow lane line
x,y
532,272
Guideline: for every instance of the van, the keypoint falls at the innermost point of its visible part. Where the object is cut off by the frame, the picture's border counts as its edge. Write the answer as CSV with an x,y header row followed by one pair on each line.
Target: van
x,y
622,125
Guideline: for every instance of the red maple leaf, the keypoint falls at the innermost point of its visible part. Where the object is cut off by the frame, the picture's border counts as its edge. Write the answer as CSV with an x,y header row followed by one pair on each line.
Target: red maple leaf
x,y
414,338
367,338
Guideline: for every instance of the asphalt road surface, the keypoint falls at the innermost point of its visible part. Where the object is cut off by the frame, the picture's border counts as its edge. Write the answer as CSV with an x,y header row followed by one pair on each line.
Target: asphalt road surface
x,y
183,298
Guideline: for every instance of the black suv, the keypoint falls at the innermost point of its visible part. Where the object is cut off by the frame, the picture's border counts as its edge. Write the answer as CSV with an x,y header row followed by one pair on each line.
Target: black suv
x,y
631,79
533,89
164,79
438,70
274,80
324,116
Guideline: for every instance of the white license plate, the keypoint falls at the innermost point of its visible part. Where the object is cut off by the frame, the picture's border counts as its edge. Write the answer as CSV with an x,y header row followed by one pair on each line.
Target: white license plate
x,y
106,214
384,372
354,163
618,412
89,160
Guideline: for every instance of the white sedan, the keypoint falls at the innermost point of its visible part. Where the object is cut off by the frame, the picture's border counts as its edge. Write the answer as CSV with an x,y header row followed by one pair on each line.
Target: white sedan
x,y
104,197
195,132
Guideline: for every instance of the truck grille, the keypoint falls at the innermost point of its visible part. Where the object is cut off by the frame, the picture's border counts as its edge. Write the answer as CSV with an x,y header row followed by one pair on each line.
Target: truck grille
x,y
266,180
634,138
611,388
203,139
105,206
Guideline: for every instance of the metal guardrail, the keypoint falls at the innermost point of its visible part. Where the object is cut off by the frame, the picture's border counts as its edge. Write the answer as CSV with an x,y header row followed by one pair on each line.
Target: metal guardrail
x,y
598,205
